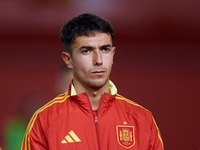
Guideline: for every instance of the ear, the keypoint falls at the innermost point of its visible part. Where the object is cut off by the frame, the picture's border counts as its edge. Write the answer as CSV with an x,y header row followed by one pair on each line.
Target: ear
x,y
113,50
67,59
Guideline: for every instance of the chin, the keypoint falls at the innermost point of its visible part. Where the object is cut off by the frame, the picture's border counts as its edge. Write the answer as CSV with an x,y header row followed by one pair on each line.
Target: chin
x,y
98,84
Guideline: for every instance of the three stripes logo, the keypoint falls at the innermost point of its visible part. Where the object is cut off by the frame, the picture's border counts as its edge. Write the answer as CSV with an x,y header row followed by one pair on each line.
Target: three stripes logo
x,y
70,138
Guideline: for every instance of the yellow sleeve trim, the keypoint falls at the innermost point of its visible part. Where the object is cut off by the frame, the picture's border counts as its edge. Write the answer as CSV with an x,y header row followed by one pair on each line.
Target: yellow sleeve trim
x,y
159,136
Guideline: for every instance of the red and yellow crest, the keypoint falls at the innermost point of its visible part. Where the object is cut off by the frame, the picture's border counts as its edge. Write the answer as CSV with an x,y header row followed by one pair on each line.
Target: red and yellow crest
x,y
125,136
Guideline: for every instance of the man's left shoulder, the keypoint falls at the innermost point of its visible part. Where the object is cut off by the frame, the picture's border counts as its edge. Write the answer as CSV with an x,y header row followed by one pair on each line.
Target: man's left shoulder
x,y
130,105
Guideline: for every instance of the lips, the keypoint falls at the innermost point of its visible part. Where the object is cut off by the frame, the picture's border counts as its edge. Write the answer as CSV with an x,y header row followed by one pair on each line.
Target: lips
x,y
99,73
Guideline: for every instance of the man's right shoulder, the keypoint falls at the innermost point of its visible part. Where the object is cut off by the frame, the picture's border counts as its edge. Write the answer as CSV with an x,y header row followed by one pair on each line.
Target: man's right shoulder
x,y
53,106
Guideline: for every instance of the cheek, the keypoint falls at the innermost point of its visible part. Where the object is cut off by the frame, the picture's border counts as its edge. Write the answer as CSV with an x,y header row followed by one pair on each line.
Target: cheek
x,y
80,67
109,61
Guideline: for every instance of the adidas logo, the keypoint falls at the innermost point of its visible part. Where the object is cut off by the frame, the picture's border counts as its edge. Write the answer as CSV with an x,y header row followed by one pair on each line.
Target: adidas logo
x,y
71,138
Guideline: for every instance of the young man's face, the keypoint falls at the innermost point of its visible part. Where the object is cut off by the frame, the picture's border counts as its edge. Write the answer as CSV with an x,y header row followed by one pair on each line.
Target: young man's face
x,y
91,60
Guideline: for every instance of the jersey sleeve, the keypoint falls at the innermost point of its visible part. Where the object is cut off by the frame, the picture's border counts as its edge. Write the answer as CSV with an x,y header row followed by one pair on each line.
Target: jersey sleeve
x,y
34,138
156,142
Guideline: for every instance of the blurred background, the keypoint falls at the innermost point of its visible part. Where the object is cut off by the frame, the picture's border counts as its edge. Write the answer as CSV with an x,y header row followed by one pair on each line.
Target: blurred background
x,y
157,61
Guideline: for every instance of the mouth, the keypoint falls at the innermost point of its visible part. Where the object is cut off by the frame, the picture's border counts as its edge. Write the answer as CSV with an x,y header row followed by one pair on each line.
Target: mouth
x,y
98,73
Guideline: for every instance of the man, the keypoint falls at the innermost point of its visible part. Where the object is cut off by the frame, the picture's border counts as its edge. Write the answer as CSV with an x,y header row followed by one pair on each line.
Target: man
x,y
91,115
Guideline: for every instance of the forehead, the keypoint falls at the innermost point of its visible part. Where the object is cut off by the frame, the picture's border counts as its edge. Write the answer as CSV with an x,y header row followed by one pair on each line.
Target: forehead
x,y
97,39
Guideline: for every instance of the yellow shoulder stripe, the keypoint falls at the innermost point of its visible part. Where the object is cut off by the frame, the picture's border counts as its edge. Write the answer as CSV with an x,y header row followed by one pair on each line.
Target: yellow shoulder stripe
x,y
129,101
133,103
61,98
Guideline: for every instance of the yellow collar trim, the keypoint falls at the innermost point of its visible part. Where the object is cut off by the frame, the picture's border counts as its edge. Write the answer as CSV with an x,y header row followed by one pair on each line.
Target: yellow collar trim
x,y
112,89
73,91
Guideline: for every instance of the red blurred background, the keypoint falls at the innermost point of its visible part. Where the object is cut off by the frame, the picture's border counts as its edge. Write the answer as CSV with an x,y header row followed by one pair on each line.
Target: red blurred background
x,y
157,60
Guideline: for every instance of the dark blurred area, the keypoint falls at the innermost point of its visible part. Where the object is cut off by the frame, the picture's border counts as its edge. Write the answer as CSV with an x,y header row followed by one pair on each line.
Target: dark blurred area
x,y
157,60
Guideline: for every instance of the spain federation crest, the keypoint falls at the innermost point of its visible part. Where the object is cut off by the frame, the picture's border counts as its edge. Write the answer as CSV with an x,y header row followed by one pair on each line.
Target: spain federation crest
x,y
125,136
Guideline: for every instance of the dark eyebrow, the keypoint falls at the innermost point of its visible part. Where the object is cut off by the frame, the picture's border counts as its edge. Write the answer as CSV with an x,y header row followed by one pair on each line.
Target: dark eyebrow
x,y
85,47
90,47
107,45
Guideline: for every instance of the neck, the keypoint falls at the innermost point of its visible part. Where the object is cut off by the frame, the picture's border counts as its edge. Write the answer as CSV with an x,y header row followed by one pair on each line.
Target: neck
x,y
94,95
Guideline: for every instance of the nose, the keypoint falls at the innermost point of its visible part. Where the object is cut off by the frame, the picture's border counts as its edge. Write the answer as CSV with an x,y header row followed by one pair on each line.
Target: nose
x,y
97,58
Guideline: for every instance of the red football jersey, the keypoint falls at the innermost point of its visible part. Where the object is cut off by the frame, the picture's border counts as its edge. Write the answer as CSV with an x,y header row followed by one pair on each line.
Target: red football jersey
x,y
69,123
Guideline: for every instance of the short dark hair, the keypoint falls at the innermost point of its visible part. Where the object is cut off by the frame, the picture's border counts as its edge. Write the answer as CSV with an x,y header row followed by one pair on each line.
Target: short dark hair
x,y
83,25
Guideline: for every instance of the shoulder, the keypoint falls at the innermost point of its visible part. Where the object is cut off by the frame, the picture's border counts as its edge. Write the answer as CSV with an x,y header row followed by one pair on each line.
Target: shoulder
x,y
53,106
129,103
42,119
132,107
142,116
49,112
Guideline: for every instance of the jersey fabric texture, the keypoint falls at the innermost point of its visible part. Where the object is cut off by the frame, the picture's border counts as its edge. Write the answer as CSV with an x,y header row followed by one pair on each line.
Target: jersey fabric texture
x,y
69,123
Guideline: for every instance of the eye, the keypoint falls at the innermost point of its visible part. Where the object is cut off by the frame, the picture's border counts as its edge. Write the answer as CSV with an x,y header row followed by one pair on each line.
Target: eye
x,y
86,51
105,49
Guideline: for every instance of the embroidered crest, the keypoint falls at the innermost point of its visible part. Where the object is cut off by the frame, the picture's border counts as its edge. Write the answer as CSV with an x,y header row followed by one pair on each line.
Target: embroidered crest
x,y
125,136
